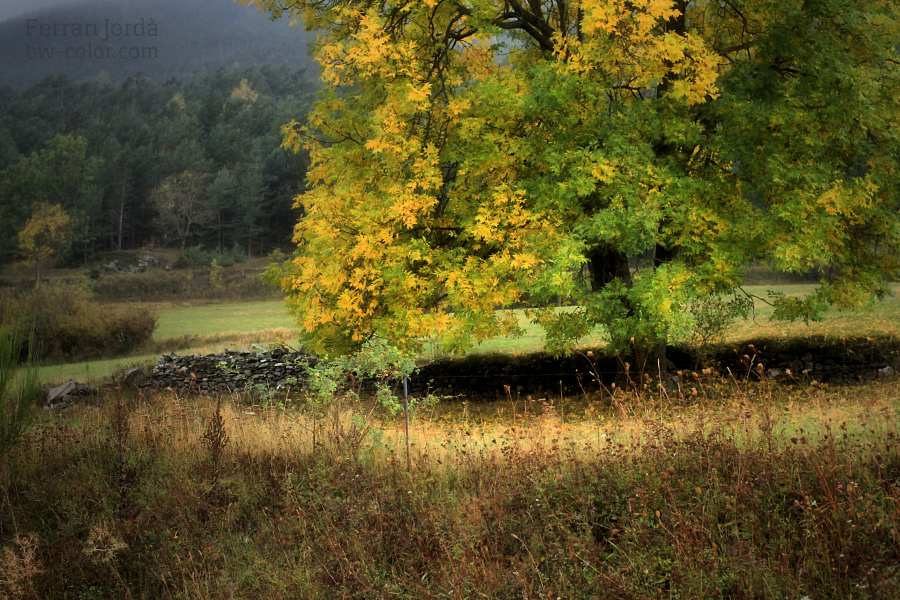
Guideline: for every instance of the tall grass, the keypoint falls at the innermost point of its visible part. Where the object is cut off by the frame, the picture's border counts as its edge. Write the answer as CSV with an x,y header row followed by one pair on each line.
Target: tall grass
x,y
784,496
18,385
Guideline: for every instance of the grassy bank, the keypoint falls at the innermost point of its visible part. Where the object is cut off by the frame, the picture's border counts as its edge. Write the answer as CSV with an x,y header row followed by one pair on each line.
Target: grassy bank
x,y
743,495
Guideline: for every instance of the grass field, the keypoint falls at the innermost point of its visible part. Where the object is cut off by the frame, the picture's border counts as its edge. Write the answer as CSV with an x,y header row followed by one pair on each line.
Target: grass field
x,y
246,317
193,329
208,328
882,319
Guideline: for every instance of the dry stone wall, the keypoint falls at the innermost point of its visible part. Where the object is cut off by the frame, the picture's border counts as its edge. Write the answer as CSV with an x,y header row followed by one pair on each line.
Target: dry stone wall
x,y
231,371
489,376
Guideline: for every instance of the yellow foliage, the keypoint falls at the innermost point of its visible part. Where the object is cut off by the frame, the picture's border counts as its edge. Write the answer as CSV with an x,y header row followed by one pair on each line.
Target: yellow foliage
x,y
48,233
468,154
243,91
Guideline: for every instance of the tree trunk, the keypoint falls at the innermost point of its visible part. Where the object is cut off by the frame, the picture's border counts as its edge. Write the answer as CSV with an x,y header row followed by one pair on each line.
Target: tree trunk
x,y
606,264
677,25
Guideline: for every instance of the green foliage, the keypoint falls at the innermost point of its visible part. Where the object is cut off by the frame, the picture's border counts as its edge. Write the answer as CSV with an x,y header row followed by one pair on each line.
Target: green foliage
x,y
711,317
377,362
232,257
196,256
474,155
19,386
181,206
47,234
60,175
105,153
215,274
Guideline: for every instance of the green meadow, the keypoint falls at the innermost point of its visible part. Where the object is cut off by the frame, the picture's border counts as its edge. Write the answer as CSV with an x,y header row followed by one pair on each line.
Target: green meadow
x,y
206,328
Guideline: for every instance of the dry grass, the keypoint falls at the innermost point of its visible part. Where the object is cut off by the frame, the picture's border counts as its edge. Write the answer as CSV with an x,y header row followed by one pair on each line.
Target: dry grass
x,y
741,492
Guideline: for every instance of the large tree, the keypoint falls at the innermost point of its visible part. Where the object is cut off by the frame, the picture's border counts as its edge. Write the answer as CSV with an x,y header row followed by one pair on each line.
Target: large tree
x,y
625,155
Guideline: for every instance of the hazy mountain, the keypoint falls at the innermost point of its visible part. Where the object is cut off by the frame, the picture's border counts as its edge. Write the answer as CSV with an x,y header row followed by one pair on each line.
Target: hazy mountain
x,y
109,40
11,8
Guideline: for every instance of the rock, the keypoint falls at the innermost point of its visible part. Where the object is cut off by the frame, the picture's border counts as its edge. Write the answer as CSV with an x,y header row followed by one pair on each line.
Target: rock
x,y
673,384
144,263
58,394
133,376
68,393
232,370
485,376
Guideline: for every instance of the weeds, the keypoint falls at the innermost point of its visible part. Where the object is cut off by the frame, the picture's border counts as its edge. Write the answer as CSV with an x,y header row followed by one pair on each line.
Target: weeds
x,y
18,386
779,493
183,284
18,566
119,434
215,439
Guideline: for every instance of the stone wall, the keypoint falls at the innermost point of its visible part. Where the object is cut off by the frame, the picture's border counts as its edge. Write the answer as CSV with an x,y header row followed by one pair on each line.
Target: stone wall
x,y
486,376
475,376
231,371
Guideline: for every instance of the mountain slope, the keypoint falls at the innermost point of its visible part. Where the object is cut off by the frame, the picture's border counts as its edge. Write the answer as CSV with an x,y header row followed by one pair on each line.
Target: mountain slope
x,y
108,41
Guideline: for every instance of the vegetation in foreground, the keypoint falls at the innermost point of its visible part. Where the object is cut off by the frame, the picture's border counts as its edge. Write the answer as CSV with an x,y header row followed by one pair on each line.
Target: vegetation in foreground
x,y
782,495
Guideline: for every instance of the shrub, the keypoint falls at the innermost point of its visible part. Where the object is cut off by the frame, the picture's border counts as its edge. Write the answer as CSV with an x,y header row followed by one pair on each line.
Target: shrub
x,y
184,285
335,386
67,323
711,316
193,256
196,256
142,286
232,257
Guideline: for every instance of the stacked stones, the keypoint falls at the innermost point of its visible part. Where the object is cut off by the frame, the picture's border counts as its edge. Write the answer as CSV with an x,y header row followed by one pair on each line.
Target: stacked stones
x,y
831,366
233,370
140,264
539,374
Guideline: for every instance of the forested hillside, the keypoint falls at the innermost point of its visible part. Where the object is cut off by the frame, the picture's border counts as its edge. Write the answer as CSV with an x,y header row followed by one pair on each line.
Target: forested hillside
x,y
175,163
161,38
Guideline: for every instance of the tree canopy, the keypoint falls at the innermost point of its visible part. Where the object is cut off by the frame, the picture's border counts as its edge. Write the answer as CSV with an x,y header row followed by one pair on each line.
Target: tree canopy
x,y
623,156
110,155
